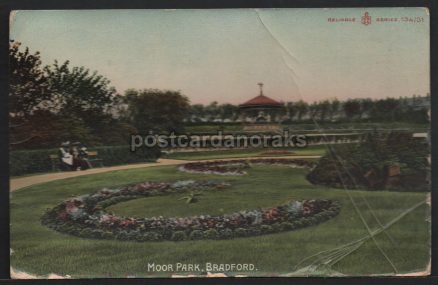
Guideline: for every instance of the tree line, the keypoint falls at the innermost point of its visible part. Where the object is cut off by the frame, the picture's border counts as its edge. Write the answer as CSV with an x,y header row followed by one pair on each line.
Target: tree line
x,y
404,109
59,102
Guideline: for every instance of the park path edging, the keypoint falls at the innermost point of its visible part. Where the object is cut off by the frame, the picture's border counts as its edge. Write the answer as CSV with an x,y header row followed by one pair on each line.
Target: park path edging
x,y
23,182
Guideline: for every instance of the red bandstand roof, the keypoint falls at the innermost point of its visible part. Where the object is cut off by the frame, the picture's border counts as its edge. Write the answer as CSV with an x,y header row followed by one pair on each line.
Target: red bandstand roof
x,y
261,100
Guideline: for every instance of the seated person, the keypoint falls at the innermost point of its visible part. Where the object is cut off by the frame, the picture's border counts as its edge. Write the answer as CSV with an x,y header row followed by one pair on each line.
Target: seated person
x,y
80,154
65,156
73,156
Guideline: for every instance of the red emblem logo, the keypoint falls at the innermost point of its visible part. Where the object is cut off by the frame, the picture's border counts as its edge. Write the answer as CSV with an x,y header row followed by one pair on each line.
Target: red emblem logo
x,y
366,19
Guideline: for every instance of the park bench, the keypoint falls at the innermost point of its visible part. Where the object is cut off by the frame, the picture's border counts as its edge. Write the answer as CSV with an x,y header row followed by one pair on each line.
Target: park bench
x,y
92,158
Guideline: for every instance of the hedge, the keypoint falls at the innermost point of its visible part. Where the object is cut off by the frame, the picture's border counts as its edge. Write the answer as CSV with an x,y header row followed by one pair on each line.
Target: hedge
x,y
36,161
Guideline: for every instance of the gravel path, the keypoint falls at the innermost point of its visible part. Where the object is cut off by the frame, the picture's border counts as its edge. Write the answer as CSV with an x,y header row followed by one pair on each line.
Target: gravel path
x,y
22,182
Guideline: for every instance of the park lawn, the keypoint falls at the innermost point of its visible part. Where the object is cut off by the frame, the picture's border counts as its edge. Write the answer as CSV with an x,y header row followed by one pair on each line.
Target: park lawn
x,y
39,250
311,126
317,150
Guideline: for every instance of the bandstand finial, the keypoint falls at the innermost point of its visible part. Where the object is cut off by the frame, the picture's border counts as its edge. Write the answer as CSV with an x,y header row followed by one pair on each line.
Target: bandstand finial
x,y
260,84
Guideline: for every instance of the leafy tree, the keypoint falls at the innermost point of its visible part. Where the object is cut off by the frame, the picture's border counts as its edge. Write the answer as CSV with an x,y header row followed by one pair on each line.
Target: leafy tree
x,y
157,110
197,110
79,93
334,108
211,110
302,109
351,108
227,111
28,84
385,109
29,92
324,108
292,109
314,109
366,105
47,130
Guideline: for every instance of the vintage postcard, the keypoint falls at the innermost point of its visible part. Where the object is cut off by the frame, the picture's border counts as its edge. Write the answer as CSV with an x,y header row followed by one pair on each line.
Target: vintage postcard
x,y
220,143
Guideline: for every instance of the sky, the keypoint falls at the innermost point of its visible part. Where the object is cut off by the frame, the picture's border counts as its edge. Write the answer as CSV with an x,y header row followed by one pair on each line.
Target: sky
x,y
221,55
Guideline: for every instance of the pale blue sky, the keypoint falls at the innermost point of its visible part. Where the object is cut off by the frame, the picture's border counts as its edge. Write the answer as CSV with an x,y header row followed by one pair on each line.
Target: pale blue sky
x,y
222,54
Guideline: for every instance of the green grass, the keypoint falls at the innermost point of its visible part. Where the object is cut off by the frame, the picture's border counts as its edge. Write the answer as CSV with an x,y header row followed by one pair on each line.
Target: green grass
x,y
243,153
39,250
310,126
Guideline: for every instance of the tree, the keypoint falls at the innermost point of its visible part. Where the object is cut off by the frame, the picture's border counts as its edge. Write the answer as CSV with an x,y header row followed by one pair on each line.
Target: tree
x,y
157,110
47,130
302,109
385,109
366,105
351,108
28,84
324,108
334,108
314,109
227,111
79,93
197,111
29,90
291,109
211,110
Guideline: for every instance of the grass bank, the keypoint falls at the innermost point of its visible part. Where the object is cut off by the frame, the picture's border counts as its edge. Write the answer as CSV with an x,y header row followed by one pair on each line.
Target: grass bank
x,y
39,250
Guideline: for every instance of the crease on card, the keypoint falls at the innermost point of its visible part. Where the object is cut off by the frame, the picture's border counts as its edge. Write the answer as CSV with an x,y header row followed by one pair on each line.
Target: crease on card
x,y
16,274
12,17
321,263
335,256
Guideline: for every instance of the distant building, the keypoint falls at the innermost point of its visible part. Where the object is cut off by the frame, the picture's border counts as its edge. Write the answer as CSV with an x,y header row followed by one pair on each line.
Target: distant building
x,y
261,109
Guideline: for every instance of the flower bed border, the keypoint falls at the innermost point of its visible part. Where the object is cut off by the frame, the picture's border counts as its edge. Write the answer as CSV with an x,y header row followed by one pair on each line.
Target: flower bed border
x,y
85,215
238,166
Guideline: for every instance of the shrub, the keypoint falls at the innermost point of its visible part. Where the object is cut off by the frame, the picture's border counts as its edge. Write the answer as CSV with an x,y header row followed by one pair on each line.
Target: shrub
x,y
178,236
276,227
86,233
107,235
368,164
266,229
196,234
34,161
298,223
254,231
286,226
226,233
240,232
211,234
123,235
153,236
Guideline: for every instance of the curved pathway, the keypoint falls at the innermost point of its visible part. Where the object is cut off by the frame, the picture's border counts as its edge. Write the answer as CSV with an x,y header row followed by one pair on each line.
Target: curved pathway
x,y
22,182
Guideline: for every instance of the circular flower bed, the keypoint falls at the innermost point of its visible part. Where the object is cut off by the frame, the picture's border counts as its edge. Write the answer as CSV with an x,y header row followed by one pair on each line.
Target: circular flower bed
x,y
85,216
237,167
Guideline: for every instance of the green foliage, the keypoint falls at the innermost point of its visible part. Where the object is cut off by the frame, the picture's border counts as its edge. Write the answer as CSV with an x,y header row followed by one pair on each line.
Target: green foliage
x,y
211,234
240,232
28,84
286,226
412,233
33,161
266,229
156,110
80,93
178,236
196,235
226,233
58,103
350,165
191,198
352,108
